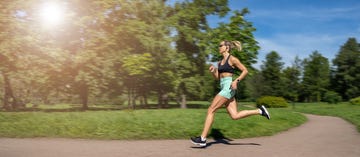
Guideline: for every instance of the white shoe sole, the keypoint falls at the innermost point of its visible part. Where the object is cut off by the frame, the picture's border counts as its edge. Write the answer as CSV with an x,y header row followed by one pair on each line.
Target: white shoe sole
x,y
266,112
200,144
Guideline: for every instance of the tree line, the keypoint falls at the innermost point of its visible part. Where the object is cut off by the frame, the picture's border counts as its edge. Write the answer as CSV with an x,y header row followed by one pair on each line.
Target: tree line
x,y
130,52
312,79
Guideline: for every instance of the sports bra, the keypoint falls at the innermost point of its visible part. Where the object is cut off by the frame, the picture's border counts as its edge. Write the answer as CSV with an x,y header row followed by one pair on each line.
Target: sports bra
x,y
226,67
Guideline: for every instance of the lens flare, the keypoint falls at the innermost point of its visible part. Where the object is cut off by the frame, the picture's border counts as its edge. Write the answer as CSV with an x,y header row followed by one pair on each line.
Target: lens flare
x,y
52,14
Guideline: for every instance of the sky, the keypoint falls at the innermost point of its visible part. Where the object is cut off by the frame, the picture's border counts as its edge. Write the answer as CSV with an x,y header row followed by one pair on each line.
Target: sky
x,y
299,27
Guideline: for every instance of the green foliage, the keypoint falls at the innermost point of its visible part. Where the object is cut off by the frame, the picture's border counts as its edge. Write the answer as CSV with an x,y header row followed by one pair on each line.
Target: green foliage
x,y
238,29
272,102
189,21
84,58
316,79
271,74
144,49
332,97
355,101
347,70
291,78
254,84
137,65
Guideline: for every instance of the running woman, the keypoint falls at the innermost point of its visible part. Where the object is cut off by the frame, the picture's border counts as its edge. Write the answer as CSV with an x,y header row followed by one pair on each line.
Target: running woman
x,y
225,97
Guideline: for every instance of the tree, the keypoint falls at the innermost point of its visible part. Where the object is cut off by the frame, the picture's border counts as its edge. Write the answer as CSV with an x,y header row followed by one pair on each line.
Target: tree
x,y
143,32
8,52
97,51
271,74
189,21
346,75
22,63
291,79
255,85
316,79
88,50
237,29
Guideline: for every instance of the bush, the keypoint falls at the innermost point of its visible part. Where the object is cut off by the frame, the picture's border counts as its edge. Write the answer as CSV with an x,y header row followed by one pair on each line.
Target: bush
x,y
355,101
272,102
332,97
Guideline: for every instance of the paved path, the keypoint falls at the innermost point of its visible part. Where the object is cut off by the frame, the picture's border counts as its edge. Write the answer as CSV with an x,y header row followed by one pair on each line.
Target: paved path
x,y
321,136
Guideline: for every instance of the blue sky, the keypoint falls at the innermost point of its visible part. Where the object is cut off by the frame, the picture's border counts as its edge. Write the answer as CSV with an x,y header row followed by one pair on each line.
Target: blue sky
x,y
299,27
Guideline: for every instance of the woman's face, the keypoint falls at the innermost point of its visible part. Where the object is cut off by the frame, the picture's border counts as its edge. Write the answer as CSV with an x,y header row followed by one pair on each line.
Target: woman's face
x,y
222,47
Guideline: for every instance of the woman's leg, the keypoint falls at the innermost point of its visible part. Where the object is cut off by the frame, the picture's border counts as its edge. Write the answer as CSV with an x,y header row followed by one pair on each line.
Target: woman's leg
x,y
216,104
234,114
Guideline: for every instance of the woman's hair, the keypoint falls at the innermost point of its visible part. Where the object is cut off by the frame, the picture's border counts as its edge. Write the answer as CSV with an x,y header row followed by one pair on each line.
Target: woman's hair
x,y
233,44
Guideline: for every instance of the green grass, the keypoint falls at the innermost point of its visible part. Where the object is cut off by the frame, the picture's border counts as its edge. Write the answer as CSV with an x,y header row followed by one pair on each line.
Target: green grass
x,y
346,111
158,124
141,124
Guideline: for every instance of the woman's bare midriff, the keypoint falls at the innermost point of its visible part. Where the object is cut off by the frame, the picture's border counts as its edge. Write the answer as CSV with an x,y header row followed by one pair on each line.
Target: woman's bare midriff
x,y
225,74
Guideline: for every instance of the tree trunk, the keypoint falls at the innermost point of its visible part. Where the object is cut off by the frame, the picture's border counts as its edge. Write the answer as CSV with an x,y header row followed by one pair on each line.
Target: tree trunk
x,y
160,102
9,99
84,95
146,101
131,98
143,101
183,101
165,100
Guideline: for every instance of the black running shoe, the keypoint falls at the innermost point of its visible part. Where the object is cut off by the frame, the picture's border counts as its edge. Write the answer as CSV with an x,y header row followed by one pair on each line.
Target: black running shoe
x,y
265,113
198,141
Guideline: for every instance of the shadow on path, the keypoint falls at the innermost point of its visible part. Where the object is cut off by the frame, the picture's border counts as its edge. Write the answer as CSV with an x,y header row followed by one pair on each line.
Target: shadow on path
x,y
219,138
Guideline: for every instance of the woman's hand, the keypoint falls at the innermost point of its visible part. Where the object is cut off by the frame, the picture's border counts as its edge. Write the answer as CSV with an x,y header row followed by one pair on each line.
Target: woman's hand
x,y
212,69
234,85
214,72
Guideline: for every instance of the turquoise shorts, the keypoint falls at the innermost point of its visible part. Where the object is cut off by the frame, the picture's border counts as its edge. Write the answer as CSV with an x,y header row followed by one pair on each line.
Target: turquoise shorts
x,y
226,91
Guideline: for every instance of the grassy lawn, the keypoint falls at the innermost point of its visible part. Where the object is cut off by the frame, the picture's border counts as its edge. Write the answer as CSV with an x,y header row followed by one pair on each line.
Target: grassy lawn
x,y
141,124
346,111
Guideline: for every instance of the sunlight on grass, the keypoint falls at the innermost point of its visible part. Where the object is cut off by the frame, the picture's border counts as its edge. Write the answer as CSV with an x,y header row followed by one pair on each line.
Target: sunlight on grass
x,y
140,124
160,123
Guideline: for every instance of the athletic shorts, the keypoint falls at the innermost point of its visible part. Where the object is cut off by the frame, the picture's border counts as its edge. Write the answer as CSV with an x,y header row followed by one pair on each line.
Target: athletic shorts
x,y
226,91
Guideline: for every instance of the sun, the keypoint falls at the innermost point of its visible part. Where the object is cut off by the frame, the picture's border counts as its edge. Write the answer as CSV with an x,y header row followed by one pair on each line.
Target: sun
x,y
51,14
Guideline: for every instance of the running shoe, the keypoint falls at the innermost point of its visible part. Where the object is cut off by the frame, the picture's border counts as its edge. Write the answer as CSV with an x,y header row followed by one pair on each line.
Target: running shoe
x,y
198,141
265,113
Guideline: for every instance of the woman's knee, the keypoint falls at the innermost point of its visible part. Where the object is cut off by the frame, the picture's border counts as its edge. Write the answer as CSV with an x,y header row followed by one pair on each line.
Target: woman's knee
x,y
211,110
233,116
217,103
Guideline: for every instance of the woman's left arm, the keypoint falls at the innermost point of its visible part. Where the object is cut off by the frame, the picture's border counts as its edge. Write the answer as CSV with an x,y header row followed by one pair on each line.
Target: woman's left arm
x,y
236,63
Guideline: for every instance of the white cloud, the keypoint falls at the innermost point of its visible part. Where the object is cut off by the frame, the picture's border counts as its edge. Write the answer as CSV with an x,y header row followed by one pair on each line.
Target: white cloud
x,y
309,12
288,46
300,28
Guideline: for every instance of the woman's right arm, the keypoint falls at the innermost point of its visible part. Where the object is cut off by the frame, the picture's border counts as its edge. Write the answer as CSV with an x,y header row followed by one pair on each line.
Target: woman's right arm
x,y
214,72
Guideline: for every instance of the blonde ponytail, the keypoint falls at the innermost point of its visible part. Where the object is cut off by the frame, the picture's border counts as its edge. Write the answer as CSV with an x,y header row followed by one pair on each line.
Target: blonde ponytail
x,y
236,44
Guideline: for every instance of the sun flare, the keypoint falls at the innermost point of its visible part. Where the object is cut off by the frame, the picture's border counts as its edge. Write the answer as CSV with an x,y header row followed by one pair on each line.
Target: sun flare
x,y
52,14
